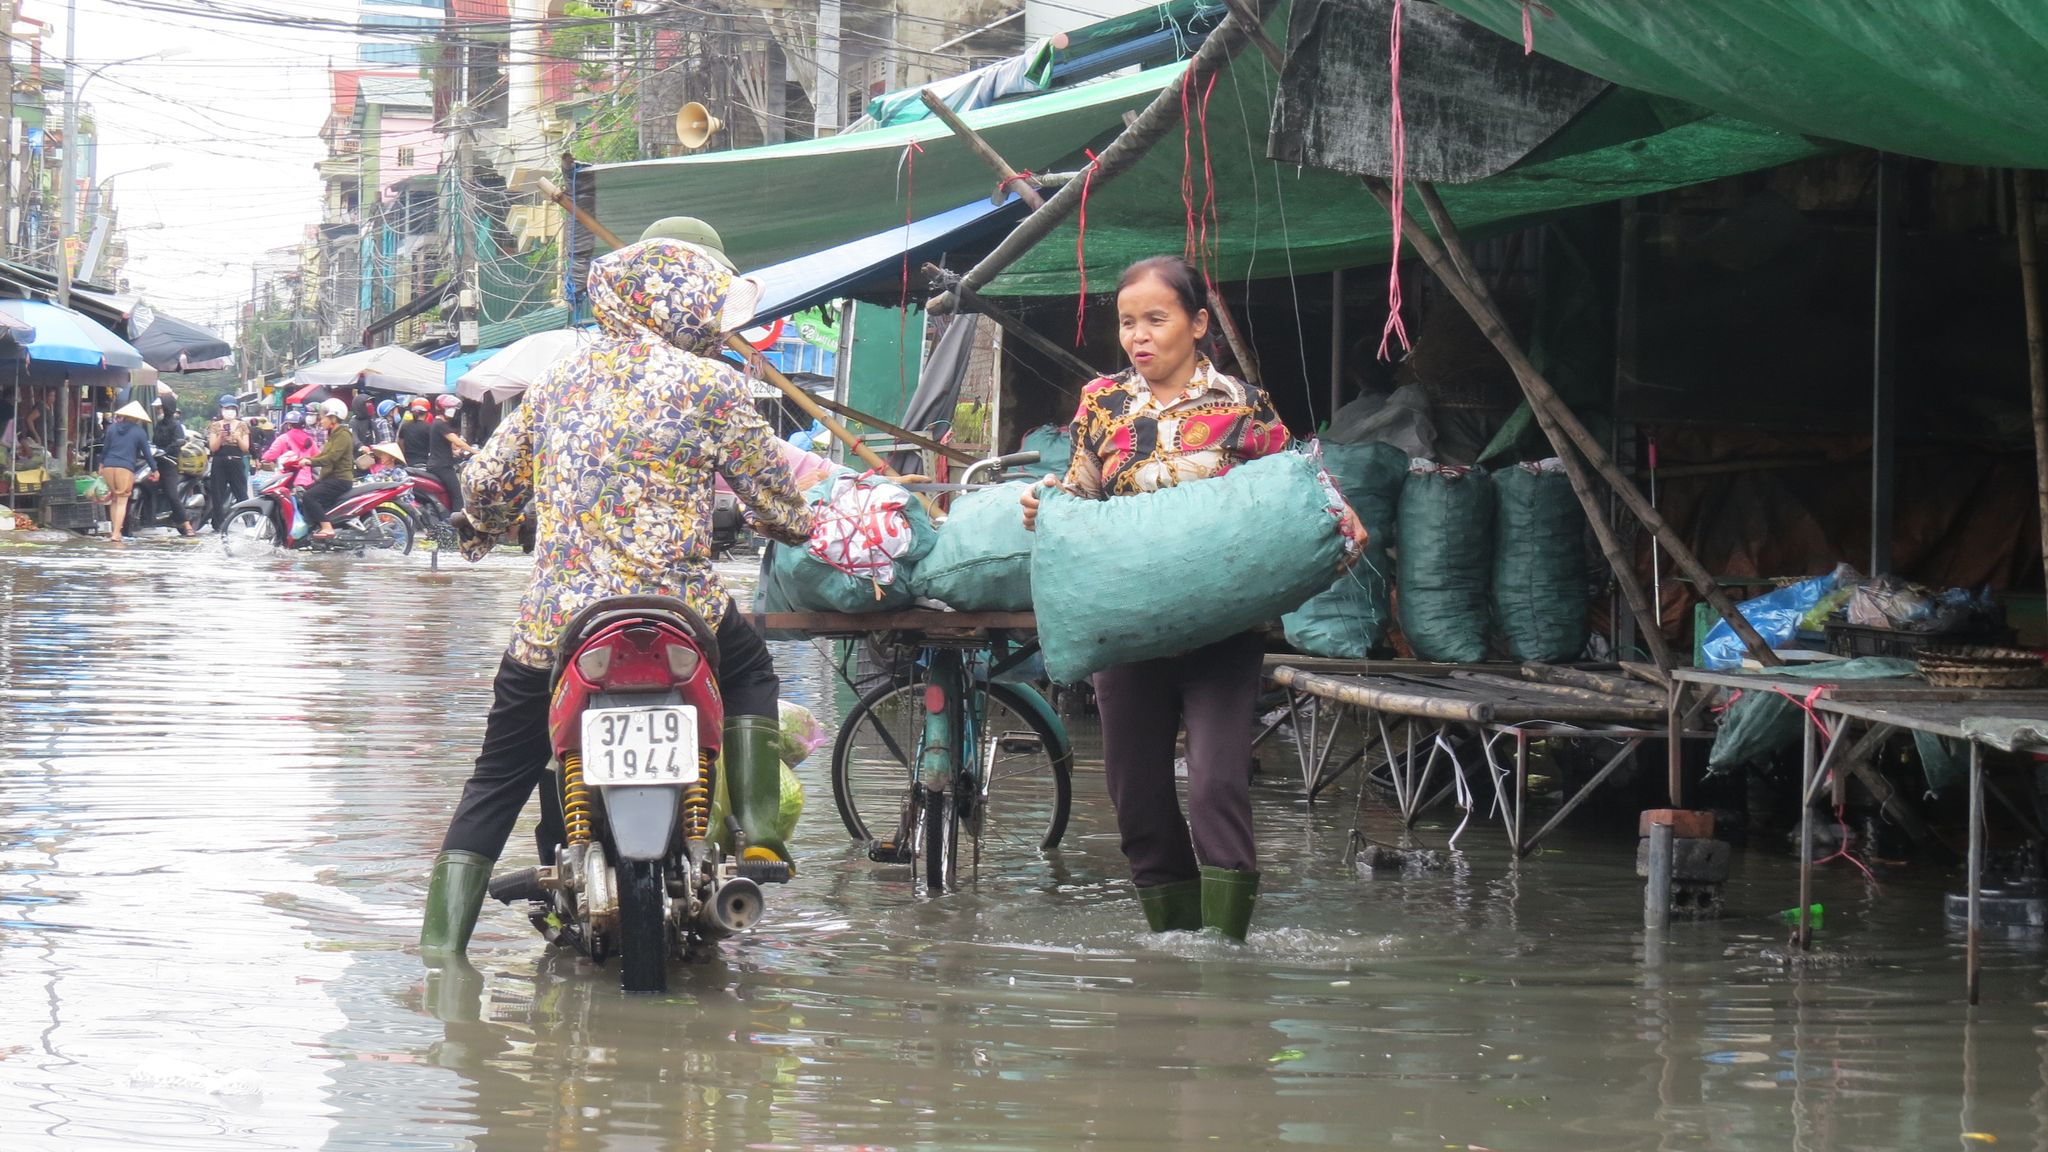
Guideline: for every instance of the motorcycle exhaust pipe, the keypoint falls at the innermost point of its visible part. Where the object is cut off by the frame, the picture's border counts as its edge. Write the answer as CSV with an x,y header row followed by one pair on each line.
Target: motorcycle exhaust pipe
x,y
735,906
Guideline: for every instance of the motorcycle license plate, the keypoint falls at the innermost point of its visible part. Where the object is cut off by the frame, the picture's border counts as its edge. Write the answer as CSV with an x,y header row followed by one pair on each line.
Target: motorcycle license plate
x,y
640,745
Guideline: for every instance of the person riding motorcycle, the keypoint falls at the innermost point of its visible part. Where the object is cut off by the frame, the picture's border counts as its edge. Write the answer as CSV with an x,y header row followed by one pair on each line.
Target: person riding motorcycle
x,y
445,447
416,434
167,435
292,447
617,448
336,463
385,423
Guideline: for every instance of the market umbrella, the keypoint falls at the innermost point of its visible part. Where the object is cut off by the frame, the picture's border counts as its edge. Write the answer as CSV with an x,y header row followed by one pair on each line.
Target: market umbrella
x,y
174,345
390,368
61,336
518,365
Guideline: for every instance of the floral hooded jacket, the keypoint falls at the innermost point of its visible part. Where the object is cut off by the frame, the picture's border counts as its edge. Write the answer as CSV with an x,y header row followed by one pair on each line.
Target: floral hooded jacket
x,y
617,446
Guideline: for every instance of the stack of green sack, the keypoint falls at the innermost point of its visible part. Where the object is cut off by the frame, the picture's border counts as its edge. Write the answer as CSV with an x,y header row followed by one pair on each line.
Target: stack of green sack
x,y
1446,532
1162,573
801,735
981,561
1539,562
1349,618
795,580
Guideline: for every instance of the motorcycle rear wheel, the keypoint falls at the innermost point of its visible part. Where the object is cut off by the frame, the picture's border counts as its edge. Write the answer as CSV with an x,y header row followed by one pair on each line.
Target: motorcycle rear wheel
x,y
643,927
393,528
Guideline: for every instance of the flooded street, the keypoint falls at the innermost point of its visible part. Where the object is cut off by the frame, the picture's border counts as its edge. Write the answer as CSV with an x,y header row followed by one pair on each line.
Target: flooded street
x,y
221,787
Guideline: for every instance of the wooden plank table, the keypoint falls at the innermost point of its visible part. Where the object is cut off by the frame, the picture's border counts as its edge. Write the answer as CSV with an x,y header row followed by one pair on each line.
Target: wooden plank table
x,y
1515,702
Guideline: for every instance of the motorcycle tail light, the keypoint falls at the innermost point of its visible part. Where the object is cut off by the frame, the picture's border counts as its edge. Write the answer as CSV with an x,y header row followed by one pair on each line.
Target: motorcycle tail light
x,y
593,663
683,661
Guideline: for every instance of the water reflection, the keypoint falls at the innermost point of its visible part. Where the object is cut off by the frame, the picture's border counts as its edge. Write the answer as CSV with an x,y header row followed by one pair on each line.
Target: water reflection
x,y
220,787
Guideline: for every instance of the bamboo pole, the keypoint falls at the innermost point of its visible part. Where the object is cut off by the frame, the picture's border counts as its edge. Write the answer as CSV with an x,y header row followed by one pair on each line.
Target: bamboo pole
x,y
1243,11
797,396
1127,149
1009,178
904,434
1563,426
2037,357
1011,323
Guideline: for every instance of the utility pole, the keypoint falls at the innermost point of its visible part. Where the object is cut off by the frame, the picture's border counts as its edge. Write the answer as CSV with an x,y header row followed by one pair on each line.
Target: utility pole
x,y
7,128
468,314
67,187
830,96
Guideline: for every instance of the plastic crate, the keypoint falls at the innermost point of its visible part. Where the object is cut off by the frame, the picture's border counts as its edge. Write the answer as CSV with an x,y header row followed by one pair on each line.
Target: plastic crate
x,y
55,511
1859,640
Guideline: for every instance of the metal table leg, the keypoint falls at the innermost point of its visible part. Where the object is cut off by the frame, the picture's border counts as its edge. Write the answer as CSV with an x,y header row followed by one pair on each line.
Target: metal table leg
x,y
1521,786
1803,937
1976,865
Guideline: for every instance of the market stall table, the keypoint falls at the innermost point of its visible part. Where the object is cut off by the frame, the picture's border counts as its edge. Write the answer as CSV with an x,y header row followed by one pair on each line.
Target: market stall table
x,y
1522,703
2011,721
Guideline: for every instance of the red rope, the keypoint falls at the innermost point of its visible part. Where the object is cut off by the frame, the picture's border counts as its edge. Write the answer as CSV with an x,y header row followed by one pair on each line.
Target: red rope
x,y
1187,167
1003,185
1080,250
1397,143
1206,243
1528,32
1841,824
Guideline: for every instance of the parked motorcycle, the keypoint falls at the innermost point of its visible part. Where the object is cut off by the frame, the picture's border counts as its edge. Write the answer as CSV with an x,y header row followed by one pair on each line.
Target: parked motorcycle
x,y
637,721
147,509
367,516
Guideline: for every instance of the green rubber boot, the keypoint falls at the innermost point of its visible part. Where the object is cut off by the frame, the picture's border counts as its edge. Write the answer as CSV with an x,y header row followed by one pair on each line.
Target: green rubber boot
x,y
753,782
454,897
1227,900
1173,907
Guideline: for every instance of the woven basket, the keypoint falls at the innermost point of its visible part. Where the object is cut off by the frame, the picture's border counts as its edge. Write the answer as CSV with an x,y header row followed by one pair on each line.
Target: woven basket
x,y
1978,666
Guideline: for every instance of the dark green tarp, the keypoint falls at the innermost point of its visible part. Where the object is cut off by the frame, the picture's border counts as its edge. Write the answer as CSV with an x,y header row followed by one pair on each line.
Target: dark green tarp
x,y
1954,80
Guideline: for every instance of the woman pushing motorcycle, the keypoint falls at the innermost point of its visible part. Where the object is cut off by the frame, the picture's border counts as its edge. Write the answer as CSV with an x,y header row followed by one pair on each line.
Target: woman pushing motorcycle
x,y
617,448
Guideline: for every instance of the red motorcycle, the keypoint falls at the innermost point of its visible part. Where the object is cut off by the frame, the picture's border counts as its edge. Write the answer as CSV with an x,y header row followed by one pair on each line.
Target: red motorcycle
x,y
368,516
637,721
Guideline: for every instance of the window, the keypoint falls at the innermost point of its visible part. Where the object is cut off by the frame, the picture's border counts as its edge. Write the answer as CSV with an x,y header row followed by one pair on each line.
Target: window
x,y
406,157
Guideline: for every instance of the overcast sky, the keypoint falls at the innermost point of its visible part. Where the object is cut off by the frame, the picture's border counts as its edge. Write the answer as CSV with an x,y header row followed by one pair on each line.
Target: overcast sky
x,y
235,113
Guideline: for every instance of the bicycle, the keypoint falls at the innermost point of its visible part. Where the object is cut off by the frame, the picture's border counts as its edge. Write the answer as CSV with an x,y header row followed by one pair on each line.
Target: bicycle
x,y
950,749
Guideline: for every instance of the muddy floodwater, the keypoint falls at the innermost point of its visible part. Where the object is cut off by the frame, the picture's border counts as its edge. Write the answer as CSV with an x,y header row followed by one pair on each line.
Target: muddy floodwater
x,y
221,786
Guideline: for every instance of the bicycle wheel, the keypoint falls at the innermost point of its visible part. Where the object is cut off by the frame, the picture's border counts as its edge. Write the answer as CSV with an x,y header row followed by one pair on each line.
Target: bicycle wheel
x,y
1023,764
941,844
1025,772
874,762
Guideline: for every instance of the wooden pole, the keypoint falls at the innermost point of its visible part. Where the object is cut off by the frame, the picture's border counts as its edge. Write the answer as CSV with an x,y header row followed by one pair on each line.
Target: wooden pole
x,y
1127,149
2037,356
1549,406
1243,11
1009,178
1011,323
904,434
797,396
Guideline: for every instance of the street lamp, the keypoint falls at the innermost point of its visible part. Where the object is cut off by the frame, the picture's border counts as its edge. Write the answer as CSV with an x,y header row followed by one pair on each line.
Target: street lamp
x,y
103,220
67,215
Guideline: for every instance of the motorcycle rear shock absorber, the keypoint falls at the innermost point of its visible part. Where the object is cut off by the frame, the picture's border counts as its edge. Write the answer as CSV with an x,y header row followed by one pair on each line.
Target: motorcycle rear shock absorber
x,y
575,799
697,801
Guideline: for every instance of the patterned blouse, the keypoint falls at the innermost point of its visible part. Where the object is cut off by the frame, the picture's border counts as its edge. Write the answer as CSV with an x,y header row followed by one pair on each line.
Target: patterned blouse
x,y
617,446
1127,442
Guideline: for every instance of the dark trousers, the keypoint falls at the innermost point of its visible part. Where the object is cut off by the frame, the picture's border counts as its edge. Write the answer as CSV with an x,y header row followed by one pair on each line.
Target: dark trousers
x,y
316,498
163,488
1214,691
228,478
445,473
516,751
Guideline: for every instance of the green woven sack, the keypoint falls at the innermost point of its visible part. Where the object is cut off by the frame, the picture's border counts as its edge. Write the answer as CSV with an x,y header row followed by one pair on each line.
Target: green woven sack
x,y
1446,534
1349,617
794,580
1140,577
981,561
1539,563
1054,444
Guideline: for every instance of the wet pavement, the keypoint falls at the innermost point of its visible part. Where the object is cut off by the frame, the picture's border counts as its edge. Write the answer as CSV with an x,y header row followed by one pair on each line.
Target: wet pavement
x,y
221,786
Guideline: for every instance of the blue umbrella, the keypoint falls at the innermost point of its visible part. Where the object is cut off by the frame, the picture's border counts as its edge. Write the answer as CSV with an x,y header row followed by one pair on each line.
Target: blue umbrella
x,y
62,336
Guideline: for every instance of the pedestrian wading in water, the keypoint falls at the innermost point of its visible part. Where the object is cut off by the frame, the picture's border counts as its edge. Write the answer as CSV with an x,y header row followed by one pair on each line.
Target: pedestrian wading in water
x,y
1198,870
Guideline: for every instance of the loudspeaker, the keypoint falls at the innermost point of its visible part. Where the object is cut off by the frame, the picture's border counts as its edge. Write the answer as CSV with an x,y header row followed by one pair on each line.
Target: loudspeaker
x,y
695,124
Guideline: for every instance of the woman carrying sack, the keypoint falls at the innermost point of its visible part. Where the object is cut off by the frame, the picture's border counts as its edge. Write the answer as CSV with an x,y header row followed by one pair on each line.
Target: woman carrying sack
x,y
125,453
1173,418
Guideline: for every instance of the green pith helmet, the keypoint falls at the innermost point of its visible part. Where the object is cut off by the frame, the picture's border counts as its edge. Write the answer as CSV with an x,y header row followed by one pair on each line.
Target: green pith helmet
x,y
689,230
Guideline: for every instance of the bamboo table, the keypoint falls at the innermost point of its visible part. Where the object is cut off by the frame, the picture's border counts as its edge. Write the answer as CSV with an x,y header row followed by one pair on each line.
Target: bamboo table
x,y
1497,702
2007,720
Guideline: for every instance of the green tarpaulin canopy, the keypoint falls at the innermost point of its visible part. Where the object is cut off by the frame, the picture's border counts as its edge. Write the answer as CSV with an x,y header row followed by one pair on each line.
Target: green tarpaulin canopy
x,y
1955,80
1271,219
788,200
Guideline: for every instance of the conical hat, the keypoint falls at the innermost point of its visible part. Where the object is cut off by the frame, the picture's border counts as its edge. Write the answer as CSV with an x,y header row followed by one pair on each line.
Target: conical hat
x,y
134,411
390,449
